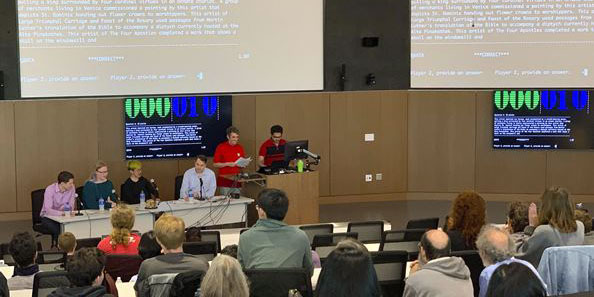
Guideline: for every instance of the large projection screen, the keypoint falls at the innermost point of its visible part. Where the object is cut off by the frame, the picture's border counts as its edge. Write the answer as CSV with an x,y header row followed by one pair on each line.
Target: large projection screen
x,y
502,43
127,47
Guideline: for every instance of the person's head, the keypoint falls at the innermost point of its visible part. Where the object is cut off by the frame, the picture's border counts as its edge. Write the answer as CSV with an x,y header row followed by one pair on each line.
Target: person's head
x,y
135,168
230,250
467,215
434,244
85,268
557,210
67,242
101,172
122,221
200,163
348,271
224,278
23,249
276,133
148,247
193,234
170,232
583,216
517,216
494,245
515,280
272,204
65,180
232,135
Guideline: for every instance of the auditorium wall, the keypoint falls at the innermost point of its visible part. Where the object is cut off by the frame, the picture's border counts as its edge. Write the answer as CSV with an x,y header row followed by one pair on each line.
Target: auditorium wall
x,y
428,146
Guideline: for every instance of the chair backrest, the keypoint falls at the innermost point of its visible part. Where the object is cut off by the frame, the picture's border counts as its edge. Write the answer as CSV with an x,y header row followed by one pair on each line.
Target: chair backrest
x,y
178,183
475,265
273,282
313,230
186,284
87,242
323,244
36,205
79,191
205,249
123,266
46,282
369,232
395,240
212,235
427,223
51,257
390,267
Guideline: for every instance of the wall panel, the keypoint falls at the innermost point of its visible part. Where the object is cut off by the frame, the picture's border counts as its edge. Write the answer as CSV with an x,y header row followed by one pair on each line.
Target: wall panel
x,y
7,158
573,170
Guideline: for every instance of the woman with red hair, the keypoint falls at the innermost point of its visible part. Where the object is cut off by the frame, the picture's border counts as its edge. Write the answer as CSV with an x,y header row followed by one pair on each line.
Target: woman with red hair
x,y
465,220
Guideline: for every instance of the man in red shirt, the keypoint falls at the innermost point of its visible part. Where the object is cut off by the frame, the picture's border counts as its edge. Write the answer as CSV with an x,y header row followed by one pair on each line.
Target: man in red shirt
x,y
272,151
225,158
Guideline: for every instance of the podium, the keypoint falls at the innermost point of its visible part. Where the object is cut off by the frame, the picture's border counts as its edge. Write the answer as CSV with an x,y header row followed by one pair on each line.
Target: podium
x,y
303,190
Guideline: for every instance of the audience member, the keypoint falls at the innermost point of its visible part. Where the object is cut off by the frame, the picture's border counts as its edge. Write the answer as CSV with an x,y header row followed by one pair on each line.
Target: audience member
x,y
193,234
121,240
98,187
55,197
515,280
271,243
86,274
4,291
136,184
517,220
199,181
555,225
496,247
169,231
224,278
436,273
23,249
230,250
348,272
148,246
67,243
465,220
583,216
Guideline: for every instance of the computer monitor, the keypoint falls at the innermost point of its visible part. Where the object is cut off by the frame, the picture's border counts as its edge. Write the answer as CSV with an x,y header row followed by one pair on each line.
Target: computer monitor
x,y
291,150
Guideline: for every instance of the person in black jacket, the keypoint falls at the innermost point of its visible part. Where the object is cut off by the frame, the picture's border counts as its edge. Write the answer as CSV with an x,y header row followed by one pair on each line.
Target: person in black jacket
x,y
85,273
3,286
135,184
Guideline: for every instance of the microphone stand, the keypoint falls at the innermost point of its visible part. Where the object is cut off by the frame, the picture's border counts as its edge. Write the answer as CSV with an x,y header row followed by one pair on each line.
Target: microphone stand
x,y
78,206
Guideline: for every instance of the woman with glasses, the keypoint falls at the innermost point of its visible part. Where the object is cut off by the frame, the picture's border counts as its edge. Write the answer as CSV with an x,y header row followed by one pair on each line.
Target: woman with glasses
x,y
98,187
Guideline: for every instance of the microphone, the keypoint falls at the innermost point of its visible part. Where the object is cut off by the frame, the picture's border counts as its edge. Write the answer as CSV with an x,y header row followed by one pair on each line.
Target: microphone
x,y
155,187
201,183
113,192
78,205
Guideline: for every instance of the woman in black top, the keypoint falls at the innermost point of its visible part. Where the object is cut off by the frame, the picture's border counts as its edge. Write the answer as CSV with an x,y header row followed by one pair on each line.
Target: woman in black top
x,y
135,184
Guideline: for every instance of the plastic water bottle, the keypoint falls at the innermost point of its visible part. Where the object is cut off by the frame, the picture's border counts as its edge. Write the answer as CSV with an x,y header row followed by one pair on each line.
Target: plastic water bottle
x,y
142,199
67,209
101,204
119,280
300,166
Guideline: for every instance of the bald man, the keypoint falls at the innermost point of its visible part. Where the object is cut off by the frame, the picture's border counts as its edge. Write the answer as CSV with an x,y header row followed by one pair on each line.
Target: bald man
x,y
496,247
436,274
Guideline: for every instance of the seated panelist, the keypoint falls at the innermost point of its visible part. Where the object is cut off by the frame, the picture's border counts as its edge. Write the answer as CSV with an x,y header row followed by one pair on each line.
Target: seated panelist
x,y
56,196
136,184
99,187
199,182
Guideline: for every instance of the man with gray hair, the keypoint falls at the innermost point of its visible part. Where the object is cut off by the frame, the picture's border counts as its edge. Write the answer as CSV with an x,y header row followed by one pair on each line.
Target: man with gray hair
x,y
496,247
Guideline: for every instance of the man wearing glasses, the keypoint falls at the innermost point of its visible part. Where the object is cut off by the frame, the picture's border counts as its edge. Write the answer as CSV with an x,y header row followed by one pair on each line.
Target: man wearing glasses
x,y
272,151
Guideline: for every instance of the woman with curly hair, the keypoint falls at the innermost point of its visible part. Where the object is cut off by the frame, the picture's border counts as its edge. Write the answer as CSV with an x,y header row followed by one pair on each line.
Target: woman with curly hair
x,y
465,220
121,240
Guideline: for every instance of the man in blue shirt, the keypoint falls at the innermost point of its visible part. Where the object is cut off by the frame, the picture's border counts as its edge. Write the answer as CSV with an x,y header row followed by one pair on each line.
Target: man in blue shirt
x,y
199,182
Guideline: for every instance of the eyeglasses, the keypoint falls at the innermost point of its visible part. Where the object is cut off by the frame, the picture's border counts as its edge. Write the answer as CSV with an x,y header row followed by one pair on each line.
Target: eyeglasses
x,y
103,172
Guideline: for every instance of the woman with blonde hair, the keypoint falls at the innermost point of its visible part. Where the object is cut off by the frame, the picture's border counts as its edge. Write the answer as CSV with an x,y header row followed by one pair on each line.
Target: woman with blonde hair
x,y
224,278
121,240
99,187
465,220
554,225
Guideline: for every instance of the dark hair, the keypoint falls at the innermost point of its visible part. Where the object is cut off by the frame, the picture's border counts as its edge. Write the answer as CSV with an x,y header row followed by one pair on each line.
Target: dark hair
x,y
583,216
348,271
22,248
232,129
276,129
274,202
65,176
515,280
193,234
230,250
431,251
148,247
85,266
202,158
517,214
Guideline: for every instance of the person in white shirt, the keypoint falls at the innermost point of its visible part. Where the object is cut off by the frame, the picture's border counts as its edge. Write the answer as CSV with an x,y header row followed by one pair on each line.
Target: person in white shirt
x,y
199,182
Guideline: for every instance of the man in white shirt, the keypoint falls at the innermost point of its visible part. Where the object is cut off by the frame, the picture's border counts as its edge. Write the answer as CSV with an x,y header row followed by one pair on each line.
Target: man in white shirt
x,y
199,182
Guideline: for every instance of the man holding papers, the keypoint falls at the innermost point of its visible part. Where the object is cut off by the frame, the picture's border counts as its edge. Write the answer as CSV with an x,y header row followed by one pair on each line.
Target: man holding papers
x,y
229,158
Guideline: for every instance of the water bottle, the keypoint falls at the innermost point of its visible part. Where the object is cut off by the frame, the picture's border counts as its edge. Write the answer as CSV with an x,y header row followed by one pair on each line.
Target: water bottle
x,y
142,199
300,166
119,280
101,204
190,194
67,209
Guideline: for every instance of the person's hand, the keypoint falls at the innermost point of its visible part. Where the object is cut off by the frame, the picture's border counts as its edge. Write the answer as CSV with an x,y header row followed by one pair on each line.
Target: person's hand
x,y
532,215
414,267
186,199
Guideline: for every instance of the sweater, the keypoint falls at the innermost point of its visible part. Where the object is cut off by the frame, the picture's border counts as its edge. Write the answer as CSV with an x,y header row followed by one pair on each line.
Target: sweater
x,y
545,236
92,192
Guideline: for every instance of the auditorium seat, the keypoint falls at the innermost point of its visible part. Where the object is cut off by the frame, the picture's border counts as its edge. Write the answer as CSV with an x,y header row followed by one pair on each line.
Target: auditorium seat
x,y
368,232
212,235
395,240
323,244
178,183
475,265
87,242
46,282
122,265
426,224
268,282
390,267
205,249
50,257
37,197
313,230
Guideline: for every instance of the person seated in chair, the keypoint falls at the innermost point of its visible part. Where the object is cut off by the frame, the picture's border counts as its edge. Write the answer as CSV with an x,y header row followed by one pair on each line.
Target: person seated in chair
x,y
55,197
85,273
136,184
199,182
271,243
99,187
23,249
67,243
